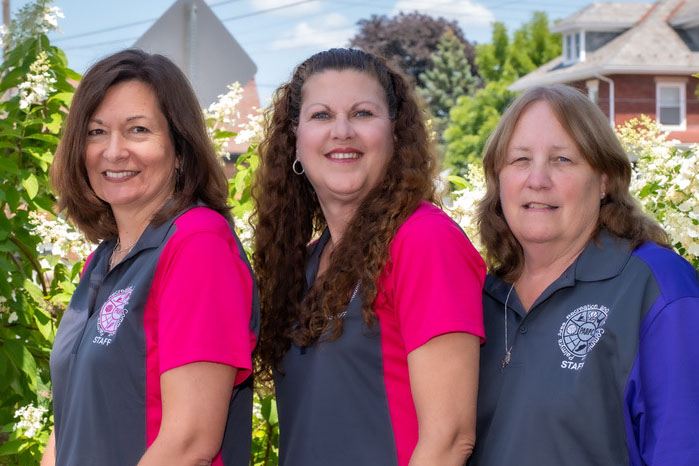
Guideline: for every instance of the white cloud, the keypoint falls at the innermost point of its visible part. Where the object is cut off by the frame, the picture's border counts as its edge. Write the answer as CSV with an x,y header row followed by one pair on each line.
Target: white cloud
x,y
277,6
331,30
466,12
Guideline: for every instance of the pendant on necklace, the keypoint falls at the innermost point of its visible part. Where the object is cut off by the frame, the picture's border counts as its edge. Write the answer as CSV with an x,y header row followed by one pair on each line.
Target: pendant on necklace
x,y
506,360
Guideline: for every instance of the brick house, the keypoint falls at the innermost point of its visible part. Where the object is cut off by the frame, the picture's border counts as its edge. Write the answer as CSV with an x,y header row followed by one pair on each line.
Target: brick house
x,y
632,59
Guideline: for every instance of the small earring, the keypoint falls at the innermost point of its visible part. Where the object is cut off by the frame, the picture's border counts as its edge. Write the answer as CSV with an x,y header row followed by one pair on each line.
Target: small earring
x,y
298,171
603,195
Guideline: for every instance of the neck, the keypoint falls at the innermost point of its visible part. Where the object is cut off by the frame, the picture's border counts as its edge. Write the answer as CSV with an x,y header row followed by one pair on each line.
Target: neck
x,y
132,222
337,217
542,266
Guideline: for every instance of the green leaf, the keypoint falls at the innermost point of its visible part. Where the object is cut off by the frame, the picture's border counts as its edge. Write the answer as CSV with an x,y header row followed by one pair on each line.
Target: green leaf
x,y
50,138
44,323
33,290
458,181
22,359
5,228
12,197
65,97
12,447
54,123
31,184
269,409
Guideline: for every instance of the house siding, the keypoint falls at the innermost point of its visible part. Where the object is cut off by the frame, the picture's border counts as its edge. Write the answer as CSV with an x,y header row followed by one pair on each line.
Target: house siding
x,y
635,95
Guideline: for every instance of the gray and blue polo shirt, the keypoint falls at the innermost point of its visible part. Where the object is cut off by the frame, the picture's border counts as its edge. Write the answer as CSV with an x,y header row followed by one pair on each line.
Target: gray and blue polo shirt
x,y
185,293
604,367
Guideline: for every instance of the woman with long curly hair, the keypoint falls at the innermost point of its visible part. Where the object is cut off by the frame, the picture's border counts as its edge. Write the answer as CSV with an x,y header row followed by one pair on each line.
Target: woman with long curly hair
x,y
372,332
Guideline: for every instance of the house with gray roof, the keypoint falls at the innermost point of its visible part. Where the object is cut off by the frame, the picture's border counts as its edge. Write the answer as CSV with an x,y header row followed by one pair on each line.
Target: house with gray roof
x,y
192,36
632,59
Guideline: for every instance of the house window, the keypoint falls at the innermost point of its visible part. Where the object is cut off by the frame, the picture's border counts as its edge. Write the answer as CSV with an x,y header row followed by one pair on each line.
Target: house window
x,y
578,44
671,103
574,47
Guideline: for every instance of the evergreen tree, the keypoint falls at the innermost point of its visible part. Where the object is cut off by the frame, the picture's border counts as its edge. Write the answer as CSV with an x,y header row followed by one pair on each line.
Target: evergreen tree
x,y
448,79
499,63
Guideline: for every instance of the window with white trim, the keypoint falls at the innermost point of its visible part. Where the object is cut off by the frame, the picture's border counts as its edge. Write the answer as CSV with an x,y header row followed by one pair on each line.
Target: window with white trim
x,y
671,104
574,47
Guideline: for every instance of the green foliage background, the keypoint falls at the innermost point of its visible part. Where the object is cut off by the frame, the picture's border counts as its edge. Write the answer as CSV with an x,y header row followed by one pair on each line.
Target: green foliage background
x,y
39,284
500,63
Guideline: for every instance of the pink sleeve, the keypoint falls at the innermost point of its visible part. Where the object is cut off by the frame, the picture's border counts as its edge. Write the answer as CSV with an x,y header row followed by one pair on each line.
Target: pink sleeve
x,y
205,298
437,280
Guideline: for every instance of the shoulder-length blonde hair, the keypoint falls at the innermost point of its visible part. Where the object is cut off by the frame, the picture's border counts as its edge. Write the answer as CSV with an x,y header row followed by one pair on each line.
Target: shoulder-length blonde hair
x,y
590,130
288,213
200,176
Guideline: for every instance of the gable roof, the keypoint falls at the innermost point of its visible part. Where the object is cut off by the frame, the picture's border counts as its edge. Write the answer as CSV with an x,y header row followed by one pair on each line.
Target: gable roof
x,y
604,16
651,46
193,37
687,15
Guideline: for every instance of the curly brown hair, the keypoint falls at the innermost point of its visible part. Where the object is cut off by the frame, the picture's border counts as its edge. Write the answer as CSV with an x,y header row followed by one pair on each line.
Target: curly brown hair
x,y
288,214
201,175
589,128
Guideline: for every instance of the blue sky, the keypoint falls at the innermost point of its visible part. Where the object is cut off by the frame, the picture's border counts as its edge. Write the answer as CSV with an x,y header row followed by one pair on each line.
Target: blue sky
x,y
278,34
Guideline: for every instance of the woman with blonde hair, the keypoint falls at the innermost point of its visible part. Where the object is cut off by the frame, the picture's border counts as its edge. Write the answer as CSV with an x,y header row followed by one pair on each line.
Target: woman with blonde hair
x,y
372,330
590,316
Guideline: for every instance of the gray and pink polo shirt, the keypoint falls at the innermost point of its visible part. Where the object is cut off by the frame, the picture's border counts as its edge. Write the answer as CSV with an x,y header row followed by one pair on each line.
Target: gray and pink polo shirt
x,y
184,294
348,402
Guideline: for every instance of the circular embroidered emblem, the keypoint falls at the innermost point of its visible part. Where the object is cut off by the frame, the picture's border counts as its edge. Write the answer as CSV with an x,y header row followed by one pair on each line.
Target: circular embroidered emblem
x,y
113,311
582,330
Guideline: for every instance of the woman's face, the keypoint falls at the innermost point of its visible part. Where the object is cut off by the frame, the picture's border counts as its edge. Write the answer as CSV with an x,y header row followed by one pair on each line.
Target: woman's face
x,y
129,155
344,136
549,193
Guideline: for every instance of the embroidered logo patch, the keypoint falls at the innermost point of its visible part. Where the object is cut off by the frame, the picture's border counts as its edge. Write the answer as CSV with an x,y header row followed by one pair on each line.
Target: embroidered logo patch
x,y
580,332
113,312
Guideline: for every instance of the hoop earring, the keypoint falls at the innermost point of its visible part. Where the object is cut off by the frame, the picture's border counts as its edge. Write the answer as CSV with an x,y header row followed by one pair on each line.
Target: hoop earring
x,y
296,170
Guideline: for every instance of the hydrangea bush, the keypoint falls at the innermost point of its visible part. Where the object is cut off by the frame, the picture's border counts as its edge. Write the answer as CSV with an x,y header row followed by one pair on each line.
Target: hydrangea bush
x,y
36,284
41,254
666,182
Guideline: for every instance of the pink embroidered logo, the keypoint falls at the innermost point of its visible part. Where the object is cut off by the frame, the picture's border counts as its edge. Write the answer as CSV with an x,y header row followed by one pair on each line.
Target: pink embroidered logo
x,y
113,311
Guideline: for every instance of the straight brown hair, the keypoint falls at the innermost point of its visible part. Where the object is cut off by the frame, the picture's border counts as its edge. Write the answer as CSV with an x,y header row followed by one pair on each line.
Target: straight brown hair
x,y
589,128
200,176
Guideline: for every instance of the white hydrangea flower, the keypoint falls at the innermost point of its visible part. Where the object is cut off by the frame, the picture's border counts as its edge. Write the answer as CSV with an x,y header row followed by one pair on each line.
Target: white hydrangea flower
x,y
252,130
464,202
31,419
50,18
37,87
12,318
244,230
666,182
59,237
224,109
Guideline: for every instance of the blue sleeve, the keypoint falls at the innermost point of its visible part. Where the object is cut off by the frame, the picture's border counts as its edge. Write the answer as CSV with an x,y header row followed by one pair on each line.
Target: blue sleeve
x,y
662,394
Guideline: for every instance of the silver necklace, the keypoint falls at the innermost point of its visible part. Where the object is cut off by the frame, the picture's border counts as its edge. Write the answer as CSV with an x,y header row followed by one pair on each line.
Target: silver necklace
x,y
118,249
508,349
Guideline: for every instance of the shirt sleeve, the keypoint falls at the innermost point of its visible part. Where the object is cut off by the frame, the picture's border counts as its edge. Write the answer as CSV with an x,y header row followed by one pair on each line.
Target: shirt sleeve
x,y
663,395
436,280
205,305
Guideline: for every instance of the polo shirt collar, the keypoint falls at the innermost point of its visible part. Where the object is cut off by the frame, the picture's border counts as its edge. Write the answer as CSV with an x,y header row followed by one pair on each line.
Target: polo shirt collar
x,y
152,236
602,258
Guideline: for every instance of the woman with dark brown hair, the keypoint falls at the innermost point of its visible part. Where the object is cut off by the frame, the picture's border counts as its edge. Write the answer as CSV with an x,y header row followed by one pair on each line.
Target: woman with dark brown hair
x,y
590,316
372,330
162,324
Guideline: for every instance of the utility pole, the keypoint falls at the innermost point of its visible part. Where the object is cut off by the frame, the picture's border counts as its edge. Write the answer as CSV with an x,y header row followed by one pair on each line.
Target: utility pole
x,y
6,12
5,16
